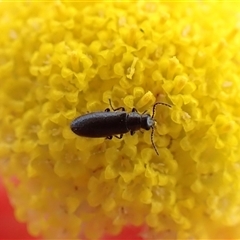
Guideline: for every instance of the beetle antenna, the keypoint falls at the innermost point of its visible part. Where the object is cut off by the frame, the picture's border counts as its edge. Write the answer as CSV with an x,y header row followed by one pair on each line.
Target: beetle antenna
x,y
153,113
160,103
154,146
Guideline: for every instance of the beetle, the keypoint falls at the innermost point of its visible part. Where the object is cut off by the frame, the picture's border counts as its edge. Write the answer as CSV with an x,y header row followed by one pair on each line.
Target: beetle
x,y
118,122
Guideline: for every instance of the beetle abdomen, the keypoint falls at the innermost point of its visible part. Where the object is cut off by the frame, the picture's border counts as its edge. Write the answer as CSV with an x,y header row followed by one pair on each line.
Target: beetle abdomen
x,y
100,124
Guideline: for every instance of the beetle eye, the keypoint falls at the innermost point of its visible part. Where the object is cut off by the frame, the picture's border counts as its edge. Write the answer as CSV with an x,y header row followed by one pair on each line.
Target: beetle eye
x,y
150,122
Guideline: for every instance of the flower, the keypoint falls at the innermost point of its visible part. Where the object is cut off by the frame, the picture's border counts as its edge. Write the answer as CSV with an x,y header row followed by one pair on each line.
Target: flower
x,y
59,60
9,227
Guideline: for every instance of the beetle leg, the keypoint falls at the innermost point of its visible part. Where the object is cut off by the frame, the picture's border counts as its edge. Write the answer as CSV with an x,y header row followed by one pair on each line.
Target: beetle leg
x,y
132,132
107,110
135,110
119,137
122,109
116,109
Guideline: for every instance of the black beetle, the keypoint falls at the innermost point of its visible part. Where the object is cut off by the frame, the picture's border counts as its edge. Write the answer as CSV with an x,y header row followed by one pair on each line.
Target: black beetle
x,y
108,124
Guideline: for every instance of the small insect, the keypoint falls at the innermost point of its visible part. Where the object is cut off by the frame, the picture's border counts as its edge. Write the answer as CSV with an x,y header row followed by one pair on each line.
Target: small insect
x,y
108,124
